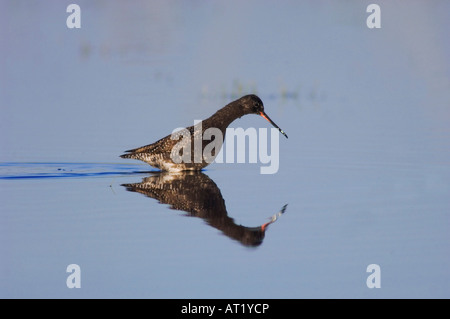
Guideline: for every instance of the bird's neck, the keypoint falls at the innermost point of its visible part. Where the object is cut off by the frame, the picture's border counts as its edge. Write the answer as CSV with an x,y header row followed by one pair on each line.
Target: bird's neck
x,y
225,116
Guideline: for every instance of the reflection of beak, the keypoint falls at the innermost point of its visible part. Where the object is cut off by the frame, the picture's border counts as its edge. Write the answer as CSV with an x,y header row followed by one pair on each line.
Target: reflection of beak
x,y
264,115
263,227
274,217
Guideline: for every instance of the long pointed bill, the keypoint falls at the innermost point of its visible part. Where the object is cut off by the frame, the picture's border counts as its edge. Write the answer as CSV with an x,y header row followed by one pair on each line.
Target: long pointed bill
x,y
264,115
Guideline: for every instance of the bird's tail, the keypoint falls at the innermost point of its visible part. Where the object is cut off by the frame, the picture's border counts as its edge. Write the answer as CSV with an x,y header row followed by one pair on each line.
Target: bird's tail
x,y
135,152
128,155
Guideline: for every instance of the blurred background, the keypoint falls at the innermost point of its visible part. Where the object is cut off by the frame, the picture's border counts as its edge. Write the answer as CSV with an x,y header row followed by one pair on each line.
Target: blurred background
x,y
365,171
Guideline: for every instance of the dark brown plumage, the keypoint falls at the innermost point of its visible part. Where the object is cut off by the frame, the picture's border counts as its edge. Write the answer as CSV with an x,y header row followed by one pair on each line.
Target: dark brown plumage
x,y
198,195
159,154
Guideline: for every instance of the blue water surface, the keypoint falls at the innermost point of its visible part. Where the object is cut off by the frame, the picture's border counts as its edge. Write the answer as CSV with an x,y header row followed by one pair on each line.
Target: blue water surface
x,y
365,173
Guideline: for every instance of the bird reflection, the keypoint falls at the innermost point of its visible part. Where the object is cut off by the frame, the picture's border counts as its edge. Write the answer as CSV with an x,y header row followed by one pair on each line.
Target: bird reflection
x,y
196,194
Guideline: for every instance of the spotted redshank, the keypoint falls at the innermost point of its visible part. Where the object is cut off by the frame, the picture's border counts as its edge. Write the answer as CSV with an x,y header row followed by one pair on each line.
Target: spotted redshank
x,y
160,155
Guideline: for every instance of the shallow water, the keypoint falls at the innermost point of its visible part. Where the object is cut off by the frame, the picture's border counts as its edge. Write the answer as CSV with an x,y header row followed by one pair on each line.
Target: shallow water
x,y
24,170
365,173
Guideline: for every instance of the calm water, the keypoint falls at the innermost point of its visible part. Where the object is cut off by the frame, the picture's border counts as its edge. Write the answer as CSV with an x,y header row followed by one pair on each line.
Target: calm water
x,y
365,173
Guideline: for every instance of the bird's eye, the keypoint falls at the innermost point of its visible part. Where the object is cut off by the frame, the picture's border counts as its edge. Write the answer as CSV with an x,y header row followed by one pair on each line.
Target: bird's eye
x,y
255,107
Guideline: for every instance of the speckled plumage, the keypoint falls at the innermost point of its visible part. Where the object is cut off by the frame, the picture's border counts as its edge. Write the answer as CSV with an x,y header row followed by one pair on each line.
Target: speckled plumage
x,y
158,154
198,195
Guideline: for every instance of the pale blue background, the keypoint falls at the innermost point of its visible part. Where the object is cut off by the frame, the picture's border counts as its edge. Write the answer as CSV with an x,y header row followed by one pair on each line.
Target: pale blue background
x,y
365,171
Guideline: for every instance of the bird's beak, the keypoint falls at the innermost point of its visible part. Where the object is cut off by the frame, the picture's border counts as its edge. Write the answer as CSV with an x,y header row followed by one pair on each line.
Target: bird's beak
x,y
264,115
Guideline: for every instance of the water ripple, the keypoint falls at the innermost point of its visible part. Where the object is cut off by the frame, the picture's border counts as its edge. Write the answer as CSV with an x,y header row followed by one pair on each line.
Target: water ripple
x,y
16,170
